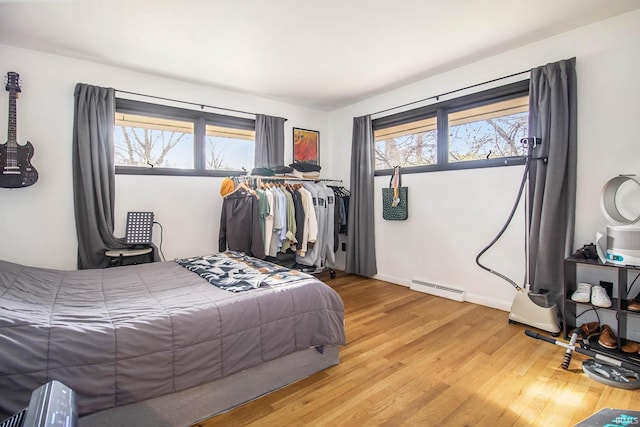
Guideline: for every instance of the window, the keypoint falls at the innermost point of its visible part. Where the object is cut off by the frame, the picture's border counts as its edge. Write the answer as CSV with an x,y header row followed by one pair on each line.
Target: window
x,y
493,129
161,140
229,149
145,141
407,145
478,130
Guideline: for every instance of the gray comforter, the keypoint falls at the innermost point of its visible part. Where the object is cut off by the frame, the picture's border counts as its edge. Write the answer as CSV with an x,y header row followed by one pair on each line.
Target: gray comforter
x,y
126,334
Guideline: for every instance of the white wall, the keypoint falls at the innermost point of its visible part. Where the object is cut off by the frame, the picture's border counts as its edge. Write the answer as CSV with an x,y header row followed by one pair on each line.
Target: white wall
x,y
37,225
454,214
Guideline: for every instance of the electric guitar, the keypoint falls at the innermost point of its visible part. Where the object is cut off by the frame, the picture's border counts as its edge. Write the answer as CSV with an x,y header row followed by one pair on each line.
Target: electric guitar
x,y
16,170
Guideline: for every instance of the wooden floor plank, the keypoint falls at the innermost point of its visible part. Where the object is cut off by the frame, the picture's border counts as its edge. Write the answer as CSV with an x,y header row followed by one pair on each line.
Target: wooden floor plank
x,y
413,359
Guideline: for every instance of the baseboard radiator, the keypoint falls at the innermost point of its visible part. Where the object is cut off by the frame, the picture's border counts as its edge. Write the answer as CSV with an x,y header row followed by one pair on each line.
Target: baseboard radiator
x,y
450,292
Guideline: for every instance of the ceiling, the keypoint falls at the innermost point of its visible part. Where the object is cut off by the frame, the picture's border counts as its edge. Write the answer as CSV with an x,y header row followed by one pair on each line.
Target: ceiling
x,y
322,54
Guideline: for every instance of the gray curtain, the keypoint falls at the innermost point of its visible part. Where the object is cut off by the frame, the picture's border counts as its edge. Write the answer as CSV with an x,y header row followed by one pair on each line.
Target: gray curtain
x,y
361,248
269,141
552,184
94,174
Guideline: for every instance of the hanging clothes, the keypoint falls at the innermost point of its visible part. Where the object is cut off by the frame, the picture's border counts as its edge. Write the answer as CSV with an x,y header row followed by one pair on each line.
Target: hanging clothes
x,y
263,209
312,256
284,222
290,240
342,203
279,222
298,216
268,221
310,223
341,208
327,253
240,225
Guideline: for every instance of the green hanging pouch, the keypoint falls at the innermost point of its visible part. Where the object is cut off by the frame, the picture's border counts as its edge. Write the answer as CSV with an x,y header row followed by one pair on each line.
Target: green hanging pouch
x,y
395,206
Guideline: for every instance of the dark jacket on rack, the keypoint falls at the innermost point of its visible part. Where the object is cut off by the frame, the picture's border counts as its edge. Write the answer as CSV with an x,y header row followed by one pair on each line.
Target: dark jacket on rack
x,y
240,225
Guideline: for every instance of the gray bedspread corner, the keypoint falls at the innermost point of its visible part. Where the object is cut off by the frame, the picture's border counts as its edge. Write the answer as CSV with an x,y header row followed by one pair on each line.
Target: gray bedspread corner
x,y
126,334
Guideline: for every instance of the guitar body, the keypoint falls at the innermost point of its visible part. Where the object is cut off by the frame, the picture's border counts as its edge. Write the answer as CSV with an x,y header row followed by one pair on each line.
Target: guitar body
x,y
22,173
16,170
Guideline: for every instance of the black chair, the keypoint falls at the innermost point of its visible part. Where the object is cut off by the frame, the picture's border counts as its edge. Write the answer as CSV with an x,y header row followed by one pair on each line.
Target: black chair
x,y
138,234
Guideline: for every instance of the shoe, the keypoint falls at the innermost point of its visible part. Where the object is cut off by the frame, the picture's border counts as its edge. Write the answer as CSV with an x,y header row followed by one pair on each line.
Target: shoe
x,y
590,329
599,297
631,347
583,293
607,338
634,305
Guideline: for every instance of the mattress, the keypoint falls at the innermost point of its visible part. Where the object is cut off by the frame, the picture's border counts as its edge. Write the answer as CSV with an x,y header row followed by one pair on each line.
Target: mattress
x,y
127,334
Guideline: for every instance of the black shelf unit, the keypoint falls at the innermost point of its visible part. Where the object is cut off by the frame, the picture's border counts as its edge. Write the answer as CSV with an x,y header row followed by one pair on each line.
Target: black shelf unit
x,y
631,357
618,307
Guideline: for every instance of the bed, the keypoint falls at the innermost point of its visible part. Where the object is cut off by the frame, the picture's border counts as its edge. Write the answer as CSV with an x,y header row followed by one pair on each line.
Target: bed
x,y
169,342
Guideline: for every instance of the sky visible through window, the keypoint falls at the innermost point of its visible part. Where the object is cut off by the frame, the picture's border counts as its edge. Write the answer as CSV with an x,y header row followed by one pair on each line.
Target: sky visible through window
x,y
228,153
234,154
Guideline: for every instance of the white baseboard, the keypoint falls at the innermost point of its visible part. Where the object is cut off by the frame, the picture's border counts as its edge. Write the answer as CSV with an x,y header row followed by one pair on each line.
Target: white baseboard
x,y
469,297
488,302
451,292
393,279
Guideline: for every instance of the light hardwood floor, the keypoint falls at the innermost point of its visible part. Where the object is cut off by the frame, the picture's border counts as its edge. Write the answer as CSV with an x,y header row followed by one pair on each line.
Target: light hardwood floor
x,y
413,359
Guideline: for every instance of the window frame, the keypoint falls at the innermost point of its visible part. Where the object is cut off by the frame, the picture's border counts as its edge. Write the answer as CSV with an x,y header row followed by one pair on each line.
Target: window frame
x,y
200,121
440,110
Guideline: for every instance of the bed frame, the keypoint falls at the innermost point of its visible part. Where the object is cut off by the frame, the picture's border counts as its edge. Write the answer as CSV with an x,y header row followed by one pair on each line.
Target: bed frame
x,y
190,406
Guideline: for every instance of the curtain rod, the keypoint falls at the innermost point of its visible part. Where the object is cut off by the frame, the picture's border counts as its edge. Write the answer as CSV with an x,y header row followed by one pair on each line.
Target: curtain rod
x,y
202,106
437,97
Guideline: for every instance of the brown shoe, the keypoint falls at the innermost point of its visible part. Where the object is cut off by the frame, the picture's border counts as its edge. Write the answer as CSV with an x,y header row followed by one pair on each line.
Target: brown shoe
x,y
590,329
631,347
607,338
634,304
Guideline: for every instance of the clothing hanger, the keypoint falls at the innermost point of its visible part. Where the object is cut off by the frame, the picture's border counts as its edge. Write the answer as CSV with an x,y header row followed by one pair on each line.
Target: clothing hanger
x,y
244,187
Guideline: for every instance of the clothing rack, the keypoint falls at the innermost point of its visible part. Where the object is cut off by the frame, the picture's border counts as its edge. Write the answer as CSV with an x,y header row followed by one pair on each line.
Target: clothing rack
x,y
252,185
285,178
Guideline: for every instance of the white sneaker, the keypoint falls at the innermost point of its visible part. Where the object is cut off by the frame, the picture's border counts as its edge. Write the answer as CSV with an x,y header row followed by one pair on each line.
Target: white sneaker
x,y
599,297
583,293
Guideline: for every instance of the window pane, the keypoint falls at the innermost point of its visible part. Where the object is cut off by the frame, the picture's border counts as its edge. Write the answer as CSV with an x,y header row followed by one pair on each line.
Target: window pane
x,y
406,145
229,148
489,131
144,140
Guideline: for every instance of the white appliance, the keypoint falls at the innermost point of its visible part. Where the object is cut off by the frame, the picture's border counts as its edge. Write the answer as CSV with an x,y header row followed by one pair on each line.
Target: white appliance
x,y
528,307
623,245
534,310
620,204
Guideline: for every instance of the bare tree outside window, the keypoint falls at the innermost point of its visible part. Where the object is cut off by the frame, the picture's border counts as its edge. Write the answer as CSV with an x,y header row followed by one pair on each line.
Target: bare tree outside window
x,y
215,156
405,151
152,139
142,147
490,130
229,149
406,145
490,138
146,141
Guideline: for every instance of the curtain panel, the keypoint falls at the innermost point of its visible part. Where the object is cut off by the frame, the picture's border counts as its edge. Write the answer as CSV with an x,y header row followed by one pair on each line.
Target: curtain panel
x,y
94,174
361,242
269,141
552,184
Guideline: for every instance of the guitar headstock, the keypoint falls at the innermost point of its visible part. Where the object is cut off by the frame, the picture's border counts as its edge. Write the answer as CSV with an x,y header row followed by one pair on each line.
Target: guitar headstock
x,y
13,82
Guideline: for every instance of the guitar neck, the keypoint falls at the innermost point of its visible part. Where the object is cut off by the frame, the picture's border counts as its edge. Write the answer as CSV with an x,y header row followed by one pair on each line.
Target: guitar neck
x,y
12,133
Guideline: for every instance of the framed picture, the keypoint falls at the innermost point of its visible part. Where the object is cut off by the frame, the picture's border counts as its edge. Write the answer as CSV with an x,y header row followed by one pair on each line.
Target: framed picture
x,y
306,146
